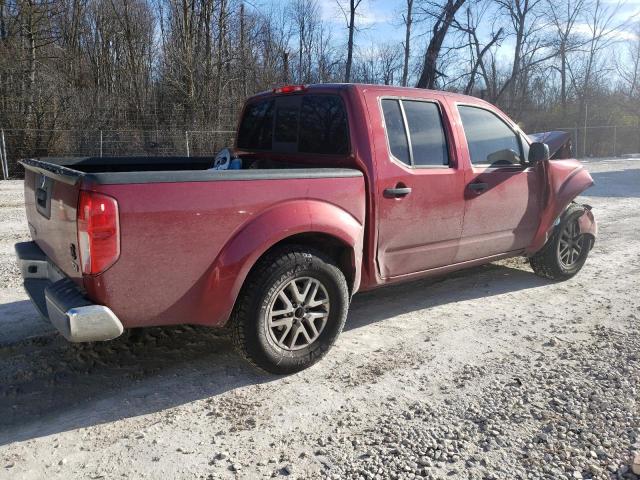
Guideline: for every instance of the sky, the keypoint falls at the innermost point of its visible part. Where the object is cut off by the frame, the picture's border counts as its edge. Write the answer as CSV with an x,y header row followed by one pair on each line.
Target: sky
x,y
380,21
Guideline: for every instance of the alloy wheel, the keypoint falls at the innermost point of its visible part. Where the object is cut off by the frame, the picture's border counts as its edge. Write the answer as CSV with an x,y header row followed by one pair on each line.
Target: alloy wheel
x,y
570,245
298,313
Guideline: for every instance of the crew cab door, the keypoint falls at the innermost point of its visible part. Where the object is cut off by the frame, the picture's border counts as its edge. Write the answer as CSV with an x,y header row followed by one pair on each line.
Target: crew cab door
x,y
502,194
420,189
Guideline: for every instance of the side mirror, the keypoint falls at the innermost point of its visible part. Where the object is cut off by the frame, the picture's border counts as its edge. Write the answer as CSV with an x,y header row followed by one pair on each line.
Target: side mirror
x,y
538,152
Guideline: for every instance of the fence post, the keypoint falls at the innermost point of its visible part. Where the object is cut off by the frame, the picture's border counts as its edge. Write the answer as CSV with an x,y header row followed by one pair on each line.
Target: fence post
x,y
3,156
615,134
100,143
186,137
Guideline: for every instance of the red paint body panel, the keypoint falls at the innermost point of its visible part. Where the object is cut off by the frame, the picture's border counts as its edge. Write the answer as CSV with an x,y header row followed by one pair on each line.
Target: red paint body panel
x,y
187,247
565,180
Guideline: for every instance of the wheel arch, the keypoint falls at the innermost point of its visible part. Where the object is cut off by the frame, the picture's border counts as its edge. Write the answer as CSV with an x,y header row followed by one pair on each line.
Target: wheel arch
x,y
319,225
333,247
565,180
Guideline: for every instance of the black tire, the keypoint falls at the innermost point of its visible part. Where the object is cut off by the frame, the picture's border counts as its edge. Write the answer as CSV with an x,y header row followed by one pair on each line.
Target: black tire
x,y
547,262
251,333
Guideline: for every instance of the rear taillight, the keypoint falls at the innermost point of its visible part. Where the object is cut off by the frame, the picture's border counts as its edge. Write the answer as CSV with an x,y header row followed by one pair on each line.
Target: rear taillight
x,y
98,232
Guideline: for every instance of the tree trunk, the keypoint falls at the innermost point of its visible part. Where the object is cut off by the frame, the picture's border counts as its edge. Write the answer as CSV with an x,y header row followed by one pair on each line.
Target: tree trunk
x,y
407,39
31,65
429,73
515,68
243,53
479,63
219,60
3,28
352,18
285,66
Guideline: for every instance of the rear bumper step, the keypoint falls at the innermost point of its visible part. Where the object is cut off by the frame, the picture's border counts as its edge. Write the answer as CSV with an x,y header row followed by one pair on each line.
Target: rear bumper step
x,y
60,301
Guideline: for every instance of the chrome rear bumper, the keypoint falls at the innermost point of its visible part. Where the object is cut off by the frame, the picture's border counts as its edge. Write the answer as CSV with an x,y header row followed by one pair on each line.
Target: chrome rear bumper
x,y
59,300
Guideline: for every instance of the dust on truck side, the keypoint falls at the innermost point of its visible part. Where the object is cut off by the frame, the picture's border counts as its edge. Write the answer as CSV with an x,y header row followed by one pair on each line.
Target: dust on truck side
x,y
342,188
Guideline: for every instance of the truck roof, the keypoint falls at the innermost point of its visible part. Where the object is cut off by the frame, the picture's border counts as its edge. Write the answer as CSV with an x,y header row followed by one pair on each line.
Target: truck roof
x,y
390,89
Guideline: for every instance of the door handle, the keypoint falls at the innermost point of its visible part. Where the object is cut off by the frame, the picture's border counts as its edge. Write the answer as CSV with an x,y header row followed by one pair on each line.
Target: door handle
x,y
397,192
41,197
478,187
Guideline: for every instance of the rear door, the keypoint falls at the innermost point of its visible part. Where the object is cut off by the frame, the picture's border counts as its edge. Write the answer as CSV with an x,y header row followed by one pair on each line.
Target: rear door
x,y
420,187
502,204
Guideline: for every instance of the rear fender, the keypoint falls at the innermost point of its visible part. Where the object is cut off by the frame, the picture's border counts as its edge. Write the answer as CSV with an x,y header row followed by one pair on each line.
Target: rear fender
x,y
563,180
285,220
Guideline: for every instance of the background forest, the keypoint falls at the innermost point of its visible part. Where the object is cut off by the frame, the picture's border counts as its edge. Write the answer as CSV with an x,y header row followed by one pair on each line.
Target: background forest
x,y
169,76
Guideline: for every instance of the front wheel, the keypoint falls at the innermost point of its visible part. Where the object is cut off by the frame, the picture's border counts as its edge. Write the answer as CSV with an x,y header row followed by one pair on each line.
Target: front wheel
x,y
290,311
567,249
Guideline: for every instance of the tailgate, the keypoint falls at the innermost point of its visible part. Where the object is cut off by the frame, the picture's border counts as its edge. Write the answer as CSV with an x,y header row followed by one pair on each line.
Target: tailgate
x,y
51,198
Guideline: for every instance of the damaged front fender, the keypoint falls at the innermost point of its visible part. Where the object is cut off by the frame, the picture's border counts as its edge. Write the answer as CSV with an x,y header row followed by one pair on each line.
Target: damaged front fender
x,y
587,223
563,181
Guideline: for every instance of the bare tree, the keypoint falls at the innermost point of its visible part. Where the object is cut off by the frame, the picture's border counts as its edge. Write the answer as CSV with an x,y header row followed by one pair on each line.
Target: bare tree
x,y
3,25
602,27
524,16
443,20
564,16
327,60
220,57
388,59
351,27
479,50
243,49
305,16
407,18
629,66
152,65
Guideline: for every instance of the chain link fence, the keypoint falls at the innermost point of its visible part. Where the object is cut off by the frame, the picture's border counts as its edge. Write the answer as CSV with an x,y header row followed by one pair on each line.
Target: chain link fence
x,y
604,140
590,141
20,144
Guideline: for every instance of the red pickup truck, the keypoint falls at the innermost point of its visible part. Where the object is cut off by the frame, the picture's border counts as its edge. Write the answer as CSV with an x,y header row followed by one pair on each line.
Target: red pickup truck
x,y
343,188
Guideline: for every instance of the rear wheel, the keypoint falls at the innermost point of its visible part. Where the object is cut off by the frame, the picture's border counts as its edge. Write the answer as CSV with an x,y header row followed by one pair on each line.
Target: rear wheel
x,y
567,249
290,311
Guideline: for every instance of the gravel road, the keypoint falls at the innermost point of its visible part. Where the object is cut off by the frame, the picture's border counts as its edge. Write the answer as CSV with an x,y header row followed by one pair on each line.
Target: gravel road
x,y
492,373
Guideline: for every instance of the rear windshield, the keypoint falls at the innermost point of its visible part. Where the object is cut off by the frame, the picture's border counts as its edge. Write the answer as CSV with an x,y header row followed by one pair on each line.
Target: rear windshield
x,y
296,124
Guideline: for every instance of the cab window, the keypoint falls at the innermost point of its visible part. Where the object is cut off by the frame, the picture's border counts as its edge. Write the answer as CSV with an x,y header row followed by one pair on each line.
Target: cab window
x,y
490,140
415,132
297,123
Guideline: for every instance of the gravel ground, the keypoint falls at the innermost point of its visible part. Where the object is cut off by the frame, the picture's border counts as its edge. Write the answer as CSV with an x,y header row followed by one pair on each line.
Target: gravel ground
x,y
492,373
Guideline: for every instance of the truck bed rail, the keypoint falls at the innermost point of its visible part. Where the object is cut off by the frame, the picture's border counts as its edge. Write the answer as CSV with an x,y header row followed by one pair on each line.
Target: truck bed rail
x,y
72,176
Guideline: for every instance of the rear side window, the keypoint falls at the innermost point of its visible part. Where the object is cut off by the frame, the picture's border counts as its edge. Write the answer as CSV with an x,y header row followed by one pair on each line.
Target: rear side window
x,y
300,123
416,138
427,135
256,127
323,125
396,134
490,140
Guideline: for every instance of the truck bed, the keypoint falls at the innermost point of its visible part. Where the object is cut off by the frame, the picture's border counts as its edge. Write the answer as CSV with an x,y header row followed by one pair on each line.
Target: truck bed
x,y
180,229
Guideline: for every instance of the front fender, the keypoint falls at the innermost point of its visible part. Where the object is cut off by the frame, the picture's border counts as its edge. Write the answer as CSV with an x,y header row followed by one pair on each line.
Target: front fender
x,y
282,221
563,180
587,223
